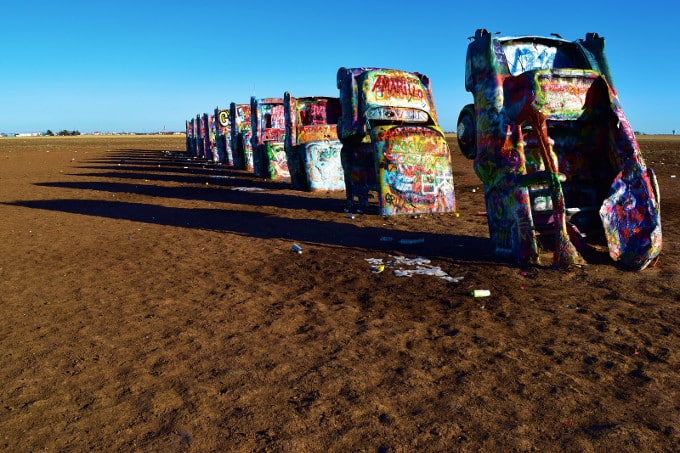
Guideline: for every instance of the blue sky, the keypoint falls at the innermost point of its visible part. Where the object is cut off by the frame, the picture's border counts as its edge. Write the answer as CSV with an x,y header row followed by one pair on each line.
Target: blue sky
x,y
148,65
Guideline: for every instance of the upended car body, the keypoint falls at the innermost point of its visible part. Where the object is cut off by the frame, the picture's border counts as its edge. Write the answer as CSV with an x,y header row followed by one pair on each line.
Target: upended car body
x,y
203,136
223,136
212,152
190,140
555,151
392,142
268,125
311,142
241,133
196,124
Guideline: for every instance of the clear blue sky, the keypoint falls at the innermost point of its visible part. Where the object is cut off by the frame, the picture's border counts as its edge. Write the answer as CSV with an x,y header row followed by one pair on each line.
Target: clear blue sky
x,y
147,65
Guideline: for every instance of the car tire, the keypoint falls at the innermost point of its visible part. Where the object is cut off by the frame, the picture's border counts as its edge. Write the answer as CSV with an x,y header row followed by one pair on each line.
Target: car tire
x,y
467,132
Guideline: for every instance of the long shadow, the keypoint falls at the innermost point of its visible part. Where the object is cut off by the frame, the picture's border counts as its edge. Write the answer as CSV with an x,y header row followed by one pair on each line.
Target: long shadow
x,y
211,194
182,167
152,158
224,178
160,167
144,165
265,226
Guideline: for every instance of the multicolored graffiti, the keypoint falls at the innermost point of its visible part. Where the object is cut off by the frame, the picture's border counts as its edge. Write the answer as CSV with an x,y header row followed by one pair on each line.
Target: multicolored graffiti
x,y
268,125
414,170
196,126
212,152
311,143
392,87
202,135
190,136
241,133
223,136
392,143
555,151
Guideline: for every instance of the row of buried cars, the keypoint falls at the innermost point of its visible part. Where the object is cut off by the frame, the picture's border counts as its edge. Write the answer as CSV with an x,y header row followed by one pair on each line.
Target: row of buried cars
x,y
548,138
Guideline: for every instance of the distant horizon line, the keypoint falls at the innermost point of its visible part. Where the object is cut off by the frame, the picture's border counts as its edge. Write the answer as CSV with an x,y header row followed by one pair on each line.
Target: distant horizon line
x,y
44,133
181,132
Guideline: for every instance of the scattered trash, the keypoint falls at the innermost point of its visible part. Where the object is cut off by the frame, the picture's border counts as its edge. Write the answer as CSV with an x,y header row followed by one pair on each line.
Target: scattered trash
x,y
296,248
378,269
422,267
350,216
672,176
481,213
480,293
246,189
412,241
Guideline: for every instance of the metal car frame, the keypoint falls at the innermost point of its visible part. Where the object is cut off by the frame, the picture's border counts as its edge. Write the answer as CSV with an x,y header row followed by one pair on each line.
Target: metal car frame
x,y
241,133
268,129
311,143
555,151
392,142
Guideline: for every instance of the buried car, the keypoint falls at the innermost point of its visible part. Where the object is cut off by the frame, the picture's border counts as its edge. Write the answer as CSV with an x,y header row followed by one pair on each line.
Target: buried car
x,y
268,126
241,132
311,142
555,151
223,136
392,143
190,140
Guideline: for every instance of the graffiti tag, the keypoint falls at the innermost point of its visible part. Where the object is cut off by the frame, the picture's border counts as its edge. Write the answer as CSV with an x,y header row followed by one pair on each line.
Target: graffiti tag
x,y
386,86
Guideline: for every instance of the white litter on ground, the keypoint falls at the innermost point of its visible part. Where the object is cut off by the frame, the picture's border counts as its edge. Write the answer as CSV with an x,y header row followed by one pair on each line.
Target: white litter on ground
x,y
408,267
247,189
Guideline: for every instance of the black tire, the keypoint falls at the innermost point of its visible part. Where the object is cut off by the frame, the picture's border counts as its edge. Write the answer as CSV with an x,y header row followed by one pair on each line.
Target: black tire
x,y
467,132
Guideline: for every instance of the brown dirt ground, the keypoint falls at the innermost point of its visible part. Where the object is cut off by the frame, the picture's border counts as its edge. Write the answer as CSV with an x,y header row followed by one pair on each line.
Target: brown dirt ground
x,y
153,303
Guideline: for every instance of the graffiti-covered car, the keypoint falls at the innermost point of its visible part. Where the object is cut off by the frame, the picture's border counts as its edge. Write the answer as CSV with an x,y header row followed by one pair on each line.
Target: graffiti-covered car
x,y
241,133
203,136
223,136
190,140
268,124
555,152
392,142
311,143
212,153
198,141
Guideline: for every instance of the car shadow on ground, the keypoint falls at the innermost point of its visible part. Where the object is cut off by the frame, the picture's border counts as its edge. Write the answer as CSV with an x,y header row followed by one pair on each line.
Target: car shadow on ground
x,y
267,226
